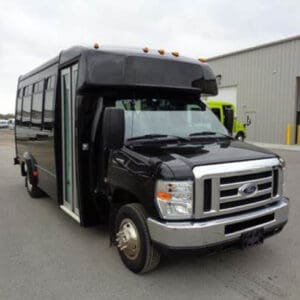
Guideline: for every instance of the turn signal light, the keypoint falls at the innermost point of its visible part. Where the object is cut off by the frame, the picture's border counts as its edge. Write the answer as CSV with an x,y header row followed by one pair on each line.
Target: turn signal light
x,y
164,196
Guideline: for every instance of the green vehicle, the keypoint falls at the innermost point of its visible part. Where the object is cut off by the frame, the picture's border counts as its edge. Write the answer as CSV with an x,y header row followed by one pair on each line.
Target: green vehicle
x,y
220,109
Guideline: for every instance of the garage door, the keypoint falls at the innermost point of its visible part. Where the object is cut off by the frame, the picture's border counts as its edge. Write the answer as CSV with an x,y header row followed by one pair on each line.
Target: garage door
x,y
228,94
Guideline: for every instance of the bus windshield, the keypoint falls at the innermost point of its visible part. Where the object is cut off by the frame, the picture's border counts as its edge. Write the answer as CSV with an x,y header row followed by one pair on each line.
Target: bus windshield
x,y
167,116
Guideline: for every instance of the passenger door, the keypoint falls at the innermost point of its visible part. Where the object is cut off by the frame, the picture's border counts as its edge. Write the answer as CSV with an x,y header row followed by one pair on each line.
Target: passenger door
x,y
68,99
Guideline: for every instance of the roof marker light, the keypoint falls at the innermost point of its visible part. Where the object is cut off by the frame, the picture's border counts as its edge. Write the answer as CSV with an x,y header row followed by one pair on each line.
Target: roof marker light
x,y
96,46
145,49
175,53
201,59
161,51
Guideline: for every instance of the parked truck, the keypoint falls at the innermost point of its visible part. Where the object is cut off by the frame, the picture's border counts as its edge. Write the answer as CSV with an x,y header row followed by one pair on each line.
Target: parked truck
x,y
219,108
121,136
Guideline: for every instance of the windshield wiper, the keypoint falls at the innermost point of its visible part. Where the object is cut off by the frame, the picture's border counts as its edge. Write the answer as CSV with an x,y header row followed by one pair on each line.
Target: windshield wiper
x,y
153,136
207,133
147,136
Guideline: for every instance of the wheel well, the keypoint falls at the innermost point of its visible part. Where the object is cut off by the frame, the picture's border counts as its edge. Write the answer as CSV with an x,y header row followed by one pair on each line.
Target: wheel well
x,y
120,197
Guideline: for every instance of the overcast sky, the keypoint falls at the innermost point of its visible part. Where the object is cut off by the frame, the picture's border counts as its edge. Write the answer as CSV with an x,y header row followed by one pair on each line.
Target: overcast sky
x,y
33,31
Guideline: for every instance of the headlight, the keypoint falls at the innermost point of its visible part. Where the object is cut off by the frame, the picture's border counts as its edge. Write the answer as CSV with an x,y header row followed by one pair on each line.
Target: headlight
x,y
174,199
282,162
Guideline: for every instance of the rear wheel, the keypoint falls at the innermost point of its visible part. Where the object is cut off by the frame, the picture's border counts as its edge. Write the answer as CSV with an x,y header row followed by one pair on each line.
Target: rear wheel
x,y
33,190
133,240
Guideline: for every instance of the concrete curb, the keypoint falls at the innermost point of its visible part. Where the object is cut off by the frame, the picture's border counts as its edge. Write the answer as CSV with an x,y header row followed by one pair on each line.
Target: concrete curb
x,y
276,146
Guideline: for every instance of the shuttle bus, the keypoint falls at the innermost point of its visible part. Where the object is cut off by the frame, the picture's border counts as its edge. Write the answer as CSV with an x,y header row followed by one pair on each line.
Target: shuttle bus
x,y
122,136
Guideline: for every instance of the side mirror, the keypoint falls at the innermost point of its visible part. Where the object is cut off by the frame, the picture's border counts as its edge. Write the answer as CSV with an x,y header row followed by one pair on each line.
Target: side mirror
x,y
228,119
113,128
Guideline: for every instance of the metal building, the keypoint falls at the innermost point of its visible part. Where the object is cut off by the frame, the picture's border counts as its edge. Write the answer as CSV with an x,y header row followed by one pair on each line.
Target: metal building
x,y
264,83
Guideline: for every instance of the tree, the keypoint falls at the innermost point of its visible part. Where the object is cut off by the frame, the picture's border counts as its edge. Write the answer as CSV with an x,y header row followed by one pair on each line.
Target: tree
x,y
7,116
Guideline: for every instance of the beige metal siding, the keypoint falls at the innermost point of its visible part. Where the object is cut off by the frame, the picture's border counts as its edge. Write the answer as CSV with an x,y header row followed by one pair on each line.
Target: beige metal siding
x,y
266,80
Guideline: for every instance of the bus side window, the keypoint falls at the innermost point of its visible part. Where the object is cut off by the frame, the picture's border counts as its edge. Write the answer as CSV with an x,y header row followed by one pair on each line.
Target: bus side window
x,y
217,112
37,104
49,103
19,106
26,108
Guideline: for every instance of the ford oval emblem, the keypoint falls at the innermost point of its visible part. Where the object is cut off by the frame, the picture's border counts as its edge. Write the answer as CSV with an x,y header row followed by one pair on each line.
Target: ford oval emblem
x,y
248,189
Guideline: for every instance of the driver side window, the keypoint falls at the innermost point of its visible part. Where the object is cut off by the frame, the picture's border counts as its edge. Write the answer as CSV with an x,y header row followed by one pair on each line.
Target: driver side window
x,y
217,112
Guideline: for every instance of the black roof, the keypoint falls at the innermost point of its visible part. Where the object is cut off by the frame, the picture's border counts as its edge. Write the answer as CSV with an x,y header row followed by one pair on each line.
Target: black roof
x,y
120,67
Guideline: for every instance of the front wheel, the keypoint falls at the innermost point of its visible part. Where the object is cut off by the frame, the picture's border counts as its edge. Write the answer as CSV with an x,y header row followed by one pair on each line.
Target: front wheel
x,y
133,240
240,137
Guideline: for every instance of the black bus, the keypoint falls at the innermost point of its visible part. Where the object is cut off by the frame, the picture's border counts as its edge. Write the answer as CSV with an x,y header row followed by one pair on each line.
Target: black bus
x,y
121,136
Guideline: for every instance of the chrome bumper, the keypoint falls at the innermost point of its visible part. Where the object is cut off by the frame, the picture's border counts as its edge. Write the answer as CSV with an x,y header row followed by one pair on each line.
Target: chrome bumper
x,y
186,235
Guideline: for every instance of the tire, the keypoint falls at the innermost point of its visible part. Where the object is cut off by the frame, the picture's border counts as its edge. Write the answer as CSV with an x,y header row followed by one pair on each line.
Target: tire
x,y
33,190
143,257
240,137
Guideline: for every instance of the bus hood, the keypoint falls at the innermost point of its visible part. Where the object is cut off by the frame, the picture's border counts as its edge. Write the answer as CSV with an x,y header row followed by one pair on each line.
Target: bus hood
x,y
178,162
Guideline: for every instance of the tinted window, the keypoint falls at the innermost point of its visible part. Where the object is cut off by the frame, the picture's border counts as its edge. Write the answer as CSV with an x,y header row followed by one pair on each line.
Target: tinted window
x,y
37,104
19,107
217,112
28,90
26,112
181,116
41,86
49,103
35,88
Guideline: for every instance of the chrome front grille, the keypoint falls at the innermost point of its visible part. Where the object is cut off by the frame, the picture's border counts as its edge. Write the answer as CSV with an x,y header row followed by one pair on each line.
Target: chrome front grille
x,y
229,191
221,189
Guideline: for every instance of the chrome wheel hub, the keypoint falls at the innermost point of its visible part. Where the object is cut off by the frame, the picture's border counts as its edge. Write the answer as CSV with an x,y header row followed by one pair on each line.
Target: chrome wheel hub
x,y
128,239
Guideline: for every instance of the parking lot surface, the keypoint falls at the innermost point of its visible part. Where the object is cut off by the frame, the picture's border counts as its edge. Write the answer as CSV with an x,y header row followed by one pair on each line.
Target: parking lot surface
x,y
44,254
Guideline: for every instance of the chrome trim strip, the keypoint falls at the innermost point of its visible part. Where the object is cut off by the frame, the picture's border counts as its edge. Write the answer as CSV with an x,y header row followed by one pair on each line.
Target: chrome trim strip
x,y
247,206
230,186
70,213
251,166
238,196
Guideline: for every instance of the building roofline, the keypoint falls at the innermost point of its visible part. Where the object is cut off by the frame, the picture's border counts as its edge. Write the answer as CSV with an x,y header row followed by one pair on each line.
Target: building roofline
x,y
289,39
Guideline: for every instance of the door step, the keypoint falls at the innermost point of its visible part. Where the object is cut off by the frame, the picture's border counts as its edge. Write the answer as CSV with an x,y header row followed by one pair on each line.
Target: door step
x,y
70,213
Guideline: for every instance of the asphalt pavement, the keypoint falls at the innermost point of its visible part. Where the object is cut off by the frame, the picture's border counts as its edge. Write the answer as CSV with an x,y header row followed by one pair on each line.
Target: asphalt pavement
x,y
44,254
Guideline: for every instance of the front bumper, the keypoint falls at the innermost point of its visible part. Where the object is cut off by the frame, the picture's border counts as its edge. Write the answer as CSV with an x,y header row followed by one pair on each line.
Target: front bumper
x,y
202,234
